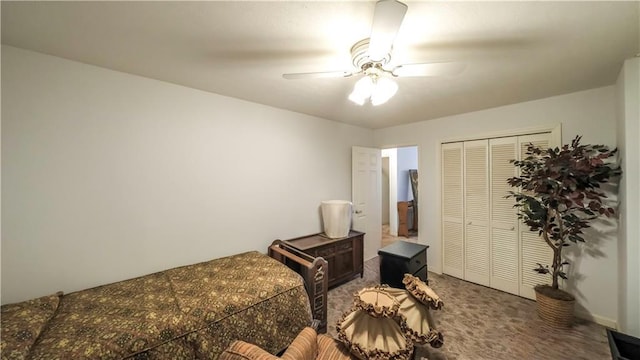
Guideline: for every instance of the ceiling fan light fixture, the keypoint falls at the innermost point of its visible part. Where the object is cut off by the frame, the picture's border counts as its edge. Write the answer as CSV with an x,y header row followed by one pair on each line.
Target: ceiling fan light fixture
x,y
362,90
384,90
376,88
372,56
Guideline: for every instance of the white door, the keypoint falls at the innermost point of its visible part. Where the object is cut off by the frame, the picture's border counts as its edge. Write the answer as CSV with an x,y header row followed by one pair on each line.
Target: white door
x,y
476,212
532,247
452,211
366,177
504,220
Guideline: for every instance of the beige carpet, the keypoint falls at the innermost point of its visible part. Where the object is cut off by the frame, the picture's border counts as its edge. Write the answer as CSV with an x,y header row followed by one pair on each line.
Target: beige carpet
x,y
482,323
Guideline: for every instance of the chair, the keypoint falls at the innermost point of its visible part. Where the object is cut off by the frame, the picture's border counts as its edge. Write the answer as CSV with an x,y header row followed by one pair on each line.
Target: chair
x,y
308,345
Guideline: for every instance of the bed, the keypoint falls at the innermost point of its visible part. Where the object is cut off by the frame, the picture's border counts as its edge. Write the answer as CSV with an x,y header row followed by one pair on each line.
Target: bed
x,y
189,312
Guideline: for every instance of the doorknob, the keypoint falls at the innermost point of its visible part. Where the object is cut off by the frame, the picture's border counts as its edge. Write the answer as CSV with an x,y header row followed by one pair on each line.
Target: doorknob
x,y
358,211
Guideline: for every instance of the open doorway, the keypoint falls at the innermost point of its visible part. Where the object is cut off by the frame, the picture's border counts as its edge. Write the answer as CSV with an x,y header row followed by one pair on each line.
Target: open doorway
x,y
399,195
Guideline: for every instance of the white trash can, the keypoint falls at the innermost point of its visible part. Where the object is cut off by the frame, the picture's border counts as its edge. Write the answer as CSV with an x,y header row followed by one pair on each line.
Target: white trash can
x,y
336,217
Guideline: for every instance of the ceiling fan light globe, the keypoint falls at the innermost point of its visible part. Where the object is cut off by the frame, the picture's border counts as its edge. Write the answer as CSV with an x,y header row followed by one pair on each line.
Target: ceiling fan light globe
x,y
358,100
384,90
362,90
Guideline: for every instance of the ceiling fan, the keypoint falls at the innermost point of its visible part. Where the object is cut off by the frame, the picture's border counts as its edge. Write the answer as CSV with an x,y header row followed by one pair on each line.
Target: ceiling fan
x,y
370,56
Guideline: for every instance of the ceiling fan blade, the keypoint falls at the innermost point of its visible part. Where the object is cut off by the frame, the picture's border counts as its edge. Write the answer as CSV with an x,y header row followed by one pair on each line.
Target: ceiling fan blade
x,y
317,75
429,69
387,19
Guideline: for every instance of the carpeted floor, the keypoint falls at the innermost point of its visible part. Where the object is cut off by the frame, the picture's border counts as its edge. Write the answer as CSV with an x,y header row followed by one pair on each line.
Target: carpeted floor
x,y
481,323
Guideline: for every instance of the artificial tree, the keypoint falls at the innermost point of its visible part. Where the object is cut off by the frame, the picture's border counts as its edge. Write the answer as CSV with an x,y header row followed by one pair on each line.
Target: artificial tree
x,y
558,195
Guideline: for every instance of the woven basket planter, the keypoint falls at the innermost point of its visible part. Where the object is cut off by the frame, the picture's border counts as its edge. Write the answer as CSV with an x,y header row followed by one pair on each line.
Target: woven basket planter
x,y
554,312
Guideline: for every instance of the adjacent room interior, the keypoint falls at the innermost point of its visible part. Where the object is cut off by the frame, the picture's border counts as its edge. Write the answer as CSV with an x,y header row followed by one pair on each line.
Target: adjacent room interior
x,y
164,166
399,194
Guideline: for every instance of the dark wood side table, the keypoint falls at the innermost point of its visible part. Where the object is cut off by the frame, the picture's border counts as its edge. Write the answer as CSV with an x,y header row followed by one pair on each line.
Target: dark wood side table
x,y
400,258
344,255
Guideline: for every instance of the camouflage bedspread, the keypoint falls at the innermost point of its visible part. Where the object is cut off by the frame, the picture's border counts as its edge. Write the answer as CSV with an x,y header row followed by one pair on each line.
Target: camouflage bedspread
x,y
190,312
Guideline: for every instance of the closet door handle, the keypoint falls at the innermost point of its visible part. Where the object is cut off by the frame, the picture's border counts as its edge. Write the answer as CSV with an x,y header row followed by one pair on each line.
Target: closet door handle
x,y
513,228
469,223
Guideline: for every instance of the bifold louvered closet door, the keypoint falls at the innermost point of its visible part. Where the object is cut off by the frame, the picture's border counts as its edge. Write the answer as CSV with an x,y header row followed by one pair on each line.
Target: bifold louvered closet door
x,y
504,219
452,225
483,241
476,212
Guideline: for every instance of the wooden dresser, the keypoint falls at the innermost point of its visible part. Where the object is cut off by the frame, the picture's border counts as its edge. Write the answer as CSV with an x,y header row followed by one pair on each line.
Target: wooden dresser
x,y
344,255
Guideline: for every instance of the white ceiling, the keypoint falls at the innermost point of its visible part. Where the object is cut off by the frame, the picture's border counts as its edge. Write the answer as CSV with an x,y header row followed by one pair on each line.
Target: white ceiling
x,y
514,51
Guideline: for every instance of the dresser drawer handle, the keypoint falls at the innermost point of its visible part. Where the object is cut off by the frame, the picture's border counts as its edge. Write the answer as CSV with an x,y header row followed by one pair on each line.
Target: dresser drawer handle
x,y
344,246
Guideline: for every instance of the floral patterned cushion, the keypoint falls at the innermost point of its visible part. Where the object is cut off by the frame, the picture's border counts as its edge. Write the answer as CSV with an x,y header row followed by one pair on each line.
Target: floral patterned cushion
x,y
23,322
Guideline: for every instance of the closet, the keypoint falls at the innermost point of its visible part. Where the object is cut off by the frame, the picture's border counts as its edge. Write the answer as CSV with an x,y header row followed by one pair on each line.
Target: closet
x,y
483,240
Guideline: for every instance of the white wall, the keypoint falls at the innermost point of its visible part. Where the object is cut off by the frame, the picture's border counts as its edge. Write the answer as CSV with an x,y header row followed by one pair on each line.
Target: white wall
x,y
628,116
107,176
590,113
407,159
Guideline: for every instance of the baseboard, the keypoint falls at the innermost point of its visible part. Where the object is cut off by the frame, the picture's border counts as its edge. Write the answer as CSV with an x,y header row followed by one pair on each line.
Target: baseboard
x,y
601,320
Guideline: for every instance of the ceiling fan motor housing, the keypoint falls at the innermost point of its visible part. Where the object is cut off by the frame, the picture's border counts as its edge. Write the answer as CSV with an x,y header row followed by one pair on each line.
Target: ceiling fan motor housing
x,y
360,57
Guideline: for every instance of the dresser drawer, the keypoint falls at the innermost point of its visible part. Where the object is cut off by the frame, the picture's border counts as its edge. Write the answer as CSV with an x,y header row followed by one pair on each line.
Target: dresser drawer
x,y
422,274
417,262
325,252
345,246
